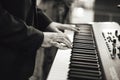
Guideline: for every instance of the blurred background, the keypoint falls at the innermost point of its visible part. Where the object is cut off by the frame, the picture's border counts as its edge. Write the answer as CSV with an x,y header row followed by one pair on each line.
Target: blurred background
x,y
103,10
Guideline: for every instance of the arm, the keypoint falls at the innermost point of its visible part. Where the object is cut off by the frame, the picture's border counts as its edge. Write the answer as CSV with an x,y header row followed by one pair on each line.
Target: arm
x,y
14,33
42,20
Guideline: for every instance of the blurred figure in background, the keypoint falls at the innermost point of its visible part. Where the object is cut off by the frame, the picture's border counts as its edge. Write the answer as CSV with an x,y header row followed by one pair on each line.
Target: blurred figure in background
x,y
56,9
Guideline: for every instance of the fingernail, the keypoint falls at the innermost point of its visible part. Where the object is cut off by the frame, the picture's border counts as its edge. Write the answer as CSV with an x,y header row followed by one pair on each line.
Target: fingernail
x,y
70,46
78,29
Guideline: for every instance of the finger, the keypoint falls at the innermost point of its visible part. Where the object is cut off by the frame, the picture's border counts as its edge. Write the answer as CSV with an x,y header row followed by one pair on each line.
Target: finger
x,y
57,30
59,45
67,38
63,46
64,41
70,27
76,29
64,35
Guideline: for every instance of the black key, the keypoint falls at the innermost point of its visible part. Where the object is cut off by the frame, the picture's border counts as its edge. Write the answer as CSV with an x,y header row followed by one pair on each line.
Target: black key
x,y
84,26
85,63
84,74
84,51
83,66
84,60
84,38
84,46
79,77
83,41
86,71
83,34
86,31
84,55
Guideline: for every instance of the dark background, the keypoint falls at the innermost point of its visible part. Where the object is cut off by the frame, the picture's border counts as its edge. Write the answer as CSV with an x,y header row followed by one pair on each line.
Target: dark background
x,y
107,10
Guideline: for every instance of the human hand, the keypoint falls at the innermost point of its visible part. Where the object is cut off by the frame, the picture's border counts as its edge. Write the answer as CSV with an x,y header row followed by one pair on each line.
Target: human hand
x,y
59,40
57,27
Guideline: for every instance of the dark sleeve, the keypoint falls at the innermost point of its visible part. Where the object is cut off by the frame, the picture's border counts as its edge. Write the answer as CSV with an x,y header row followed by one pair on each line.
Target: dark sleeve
x,y
42,19
14,33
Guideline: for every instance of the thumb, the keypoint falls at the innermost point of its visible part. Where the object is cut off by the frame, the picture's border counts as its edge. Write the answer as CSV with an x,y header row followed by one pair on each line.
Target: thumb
x,y
59,45
58,31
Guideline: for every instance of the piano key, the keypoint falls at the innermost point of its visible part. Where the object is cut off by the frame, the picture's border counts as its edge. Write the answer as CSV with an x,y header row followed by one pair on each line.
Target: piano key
x,y
85,63
83,34
82,44
84,51
84,74
85,46
87,26
80,77
85,31
84,55
86,70
83,41
83,28
84,60
84,38
82,66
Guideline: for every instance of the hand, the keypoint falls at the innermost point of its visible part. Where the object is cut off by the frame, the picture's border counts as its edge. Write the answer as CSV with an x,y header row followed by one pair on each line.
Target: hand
x,y
59,40
57,27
